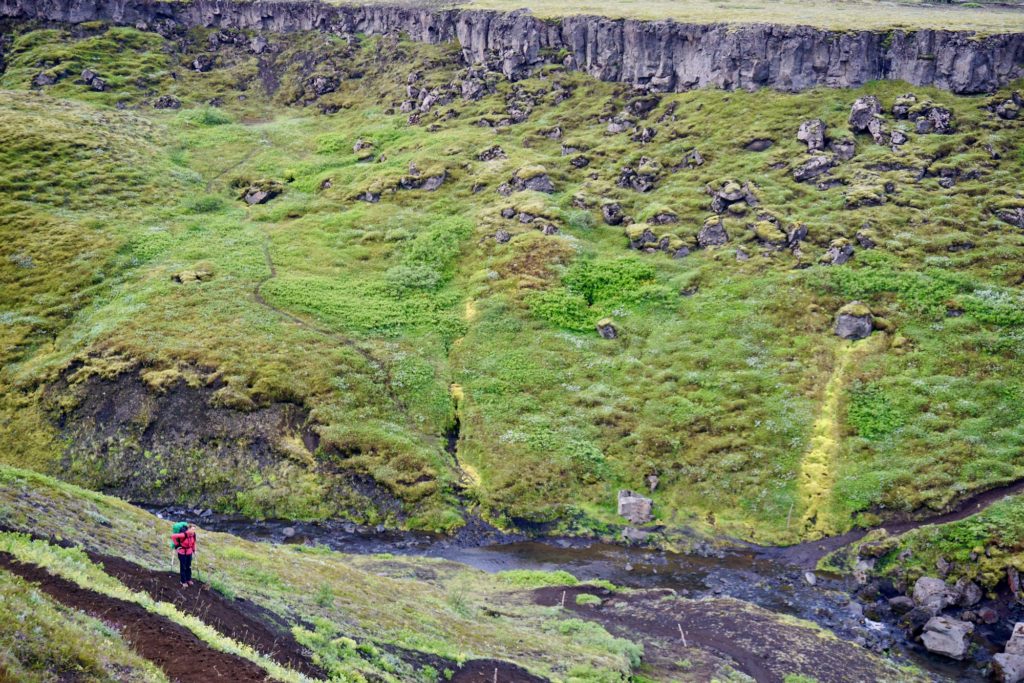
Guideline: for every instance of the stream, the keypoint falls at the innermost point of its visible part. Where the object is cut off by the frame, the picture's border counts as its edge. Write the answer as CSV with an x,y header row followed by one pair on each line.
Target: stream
x,y
774,579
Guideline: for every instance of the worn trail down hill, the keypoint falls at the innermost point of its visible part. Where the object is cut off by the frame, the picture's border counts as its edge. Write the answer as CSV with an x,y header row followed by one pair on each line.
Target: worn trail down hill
x,y
154,637
665,55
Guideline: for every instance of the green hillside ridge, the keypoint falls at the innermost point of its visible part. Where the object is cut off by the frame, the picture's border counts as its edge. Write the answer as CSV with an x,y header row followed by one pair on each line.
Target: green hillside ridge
x,y
362,618
326,333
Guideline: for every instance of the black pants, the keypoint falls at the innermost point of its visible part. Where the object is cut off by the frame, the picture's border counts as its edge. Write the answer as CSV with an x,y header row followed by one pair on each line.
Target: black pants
x,y
185,565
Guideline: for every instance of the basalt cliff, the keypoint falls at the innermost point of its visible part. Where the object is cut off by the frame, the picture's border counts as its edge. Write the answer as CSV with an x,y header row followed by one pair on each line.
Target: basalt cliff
x,y
662,55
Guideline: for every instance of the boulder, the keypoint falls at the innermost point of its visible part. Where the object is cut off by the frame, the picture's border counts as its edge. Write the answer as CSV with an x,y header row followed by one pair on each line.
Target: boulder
x,y
322,85
532,178
1007,110
693,159
863,112
634,507
934,594
258,45
903,104
632,535
901,604
812,133
947,636
713,233
898,138
812,168
492,153
1014,216
970,594
730,195
167,102
44,79
261,191
1008,668
606,328
843,149
1015,645
878,132
502,236
759,144
934,120
855,321
202,64
839,252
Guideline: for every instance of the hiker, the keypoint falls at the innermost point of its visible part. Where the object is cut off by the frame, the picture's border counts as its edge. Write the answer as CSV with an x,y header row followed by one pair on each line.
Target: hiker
x,y
183,540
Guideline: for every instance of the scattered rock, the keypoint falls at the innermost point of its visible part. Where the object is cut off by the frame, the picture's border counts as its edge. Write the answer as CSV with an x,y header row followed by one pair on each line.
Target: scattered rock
x,y
865,239
812,132
988,615
758,145
261,192
1012,215
931,119
634,507
730,195
903,104
258,45
493,153
202,64
855,321
532,178
197,275
606,328
93,80
1008,668
898,138
44,79
901,604
970,594
167,102
288,531
878,132
693,159
812,168
323,85
1015,645
947,636
633,535
713,233
863,112
839,252
844,149
502,236
642,178
934,594
663,217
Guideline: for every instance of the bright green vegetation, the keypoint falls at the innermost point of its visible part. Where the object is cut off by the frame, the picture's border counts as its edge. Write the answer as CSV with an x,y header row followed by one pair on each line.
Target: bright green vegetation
x,y
979,548
355,606
389,320
41,639
984,16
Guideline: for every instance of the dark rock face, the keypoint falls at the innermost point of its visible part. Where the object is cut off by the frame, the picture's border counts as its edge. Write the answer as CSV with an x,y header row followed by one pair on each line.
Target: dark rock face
x,y
665,56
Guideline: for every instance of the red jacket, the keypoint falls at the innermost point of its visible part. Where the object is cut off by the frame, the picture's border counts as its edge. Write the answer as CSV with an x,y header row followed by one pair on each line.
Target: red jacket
x,y
184,543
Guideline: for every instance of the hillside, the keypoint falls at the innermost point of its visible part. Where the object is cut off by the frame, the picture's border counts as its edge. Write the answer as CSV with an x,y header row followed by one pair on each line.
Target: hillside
x,y
433,282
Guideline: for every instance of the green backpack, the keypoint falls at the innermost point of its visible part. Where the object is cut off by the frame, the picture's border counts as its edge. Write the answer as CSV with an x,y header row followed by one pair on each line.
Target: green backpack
x,y
179,527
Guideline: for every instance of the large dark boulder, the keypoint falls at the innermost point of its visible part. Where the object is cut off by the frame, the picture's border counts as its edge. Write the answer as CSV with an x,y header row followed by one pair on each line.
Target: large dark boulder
x,y
854,321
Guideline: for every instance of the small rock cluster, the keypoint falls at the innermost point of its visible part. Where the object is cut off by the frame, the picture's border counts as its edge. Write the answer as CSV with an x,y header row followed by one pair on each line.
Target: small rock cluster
x,y
641,177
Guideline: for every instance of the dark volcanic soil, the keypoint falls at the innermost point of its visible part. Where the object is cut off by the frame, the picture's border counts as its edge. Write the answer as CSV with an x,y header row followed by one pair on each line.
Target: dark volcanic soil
x,y
762,646
152,636
238,619
490,670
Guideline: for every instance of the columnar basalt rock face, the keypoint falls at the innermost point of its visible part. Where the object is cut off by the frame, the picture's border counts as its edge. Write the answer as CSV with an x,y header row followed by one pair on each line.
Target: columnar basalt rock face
x,y
663,55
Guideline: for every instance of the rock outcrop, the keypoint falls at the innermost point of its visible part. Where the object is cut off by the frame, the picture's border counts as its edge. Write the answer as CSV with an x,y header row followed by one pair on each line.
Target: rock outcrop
x,y
662,55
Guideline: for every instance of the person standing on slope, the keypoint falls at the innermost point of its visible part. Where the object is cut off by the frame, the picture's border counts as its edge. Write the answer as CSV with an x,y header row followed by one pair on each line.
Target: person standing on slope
x,y
183,540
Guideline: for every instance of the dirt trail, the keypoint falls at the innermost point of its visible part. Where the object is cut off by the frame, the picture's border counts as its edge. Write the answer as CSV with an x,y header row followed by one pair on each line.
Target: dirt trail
x,y
807,554
237,619
152,636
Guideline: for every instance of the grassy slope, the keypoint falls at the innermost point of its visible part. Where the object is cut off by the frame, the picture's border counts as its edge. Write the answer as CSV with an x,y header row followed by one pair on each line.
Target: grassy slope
x,y
717,393
835,14
428,605
40,640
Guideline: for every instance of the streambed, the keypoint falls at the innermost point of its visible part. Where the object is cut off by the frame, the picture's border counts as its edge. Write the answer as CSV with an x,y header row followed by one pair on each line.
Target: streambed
x,y
772,579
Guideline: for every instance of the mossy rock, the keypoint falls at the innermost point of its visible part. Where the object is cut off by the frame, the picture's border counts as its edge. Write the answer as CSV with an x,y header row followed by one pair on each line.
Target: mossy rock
x,y
856,308
767,231
531,171
636,231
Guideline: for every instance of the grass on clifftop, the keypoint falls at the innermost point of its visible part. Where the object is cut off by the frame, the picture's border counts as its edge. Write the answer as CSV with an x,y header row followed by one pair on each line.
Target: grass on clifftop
x,y
374,311
842,15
